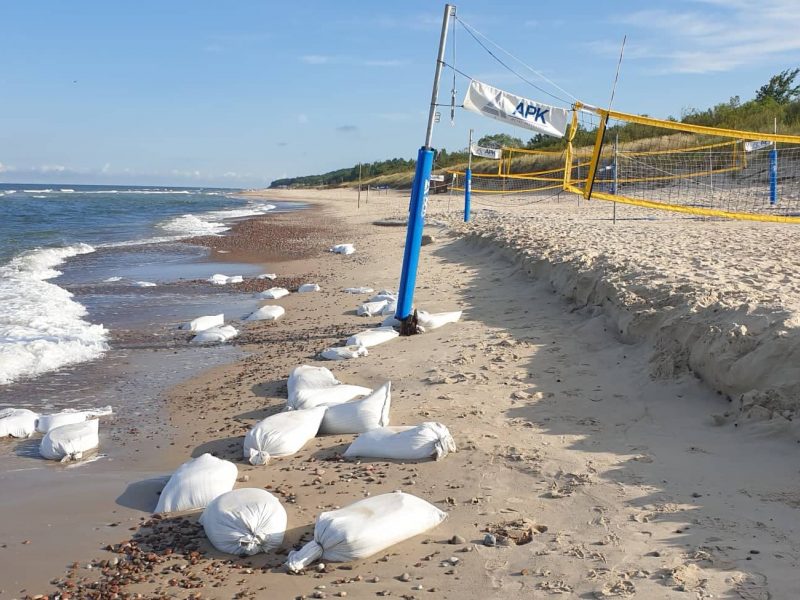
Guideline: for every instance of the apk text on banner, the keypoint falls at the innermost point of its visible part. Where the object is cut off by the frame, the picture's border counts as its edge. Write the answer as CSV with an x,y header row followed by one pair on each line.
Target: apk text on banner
x,y
516,110
494,153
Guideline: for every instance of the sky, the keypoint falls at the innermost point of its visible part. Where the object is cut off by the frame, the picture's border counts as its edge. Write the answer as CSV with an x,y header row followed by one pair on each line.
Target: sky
x,y
236,94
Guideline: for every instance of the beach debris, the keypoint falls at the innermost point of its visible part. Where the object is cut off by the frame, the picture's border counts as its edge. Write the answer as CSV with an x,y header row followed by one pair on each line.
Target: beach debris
x,y
457,540
214,335
358,290
203,323
344,352
390,321
358,416
427,440
245,522
143,284
489,540
519,532
426,320
427,239
219,279
112,279
384,295
70,442
365,528
370,309
274,293
17,422
372,337
282,434
196,483
270,276
308,287
345,249
314,386
267,313
69,416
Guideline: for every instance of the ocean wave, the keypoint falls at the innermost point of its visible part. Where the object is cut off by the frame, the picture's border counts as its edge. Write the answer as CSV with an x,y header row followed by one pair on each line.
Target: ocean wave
x,y
189,225
41,327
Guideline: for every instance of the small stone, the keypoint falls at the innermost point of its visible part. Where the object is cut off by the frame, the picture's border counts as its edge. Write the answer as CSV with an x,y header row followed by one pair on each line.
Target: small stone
x,y
457,539
418,587
318,594
427,239
384,593
405,577
321,568
489,540
375,580
342,594
453,560
697,495
244,479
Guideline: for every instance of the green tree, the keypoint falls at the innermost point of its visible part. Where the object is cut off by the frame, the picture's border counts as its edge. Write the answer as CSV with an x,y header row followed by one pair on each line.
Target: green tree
x,y
500,140
780,87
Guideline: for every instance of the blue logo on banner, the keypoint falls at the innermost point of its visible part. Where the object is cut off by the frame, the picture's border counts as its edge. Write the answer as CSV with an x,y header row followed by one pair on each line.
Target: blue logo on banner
x,y
526,111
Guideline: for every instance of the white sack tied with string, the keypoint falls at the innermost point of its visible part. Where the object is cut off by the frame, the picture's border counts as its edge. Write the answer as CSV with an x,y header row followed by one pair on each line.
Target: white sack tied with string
x,y
17,422
203,323
215,335
70,442
427,440
313,386
282,434
372,337
245,522
267,313
69,416
427,321
365,528
273,293
344,352
357,416
196,483
345,249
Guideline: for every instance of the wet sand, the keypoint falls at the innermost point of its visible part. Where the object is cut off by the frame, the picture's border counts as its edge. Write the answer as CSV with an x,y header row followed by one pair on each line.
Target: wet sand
x,y
597,479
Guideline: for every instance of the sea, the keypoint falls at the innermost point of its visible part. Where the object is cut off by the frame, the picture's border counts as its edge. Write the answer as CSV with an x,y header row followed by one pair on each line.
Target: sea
x,y
79,263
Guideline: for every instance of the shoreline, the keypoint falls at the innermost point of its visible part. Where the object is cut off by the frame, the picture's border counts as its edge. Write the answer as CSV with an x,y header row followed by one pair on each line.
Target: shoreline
x,y
632,487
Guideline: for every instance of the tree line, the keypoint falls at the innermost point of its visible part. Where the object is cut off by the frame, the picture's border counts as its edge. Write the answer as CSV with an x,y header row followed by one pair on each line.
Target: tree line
x,y
779,99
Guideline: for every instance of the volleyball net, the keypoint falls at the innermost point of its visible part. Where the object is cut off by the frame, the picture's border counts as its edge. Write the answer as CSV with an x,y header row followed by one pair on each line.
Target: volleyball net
x,y
667,165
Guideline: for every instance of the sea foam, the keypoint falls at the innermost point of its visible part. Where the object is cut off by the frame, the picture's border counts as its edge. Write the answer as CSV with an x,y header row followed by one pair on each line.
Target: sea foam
x,y
41,327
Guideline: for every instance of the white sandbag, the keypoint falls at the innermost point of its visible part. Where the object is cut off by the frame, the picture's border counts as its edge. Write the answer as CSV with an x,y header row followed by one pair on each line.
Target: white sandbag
x,y
308,287
365,528
144,284
267,313
343,352
372,337
196,483
404,443
282,434
235,279
17,422
270,276
358,290
427,320
203,323
69,416
345,249
389,309
383,295
358,416
215,335
218,279
314,386
274,293
370,309
70,442
245,522
390,321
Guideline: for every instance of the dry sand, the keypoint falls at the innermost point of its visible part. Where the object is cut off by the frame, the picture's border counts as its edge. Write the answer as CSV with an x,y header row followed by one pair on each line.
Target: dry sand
x,y
584,432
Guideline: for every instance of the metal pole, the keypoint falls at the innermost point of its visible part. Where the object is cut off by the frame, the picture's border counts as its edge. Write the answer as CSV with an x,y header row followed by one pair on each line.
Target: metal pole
x,y
773,170
616,176
419,198
359,185
468,181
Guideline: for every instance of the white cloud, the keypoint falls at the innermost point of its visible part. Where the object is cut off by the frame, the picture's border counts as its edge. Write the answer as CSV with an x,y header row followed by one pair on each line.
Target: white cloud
x,y
721,35
52,168
384,63
106,168
5,168
302,118
316,59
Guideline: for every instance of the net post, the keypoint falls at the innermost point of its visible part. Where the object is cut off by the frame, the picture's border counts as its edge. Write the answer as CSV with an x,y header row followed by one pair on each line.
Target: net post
x,y
773,176
598,147
467,193
416,220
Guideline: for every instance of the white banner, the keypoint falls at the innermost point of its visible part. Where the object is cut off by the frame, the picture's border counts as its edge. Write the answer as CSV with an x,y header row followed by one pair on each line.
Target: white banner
x,y
515,110
495,153
757,145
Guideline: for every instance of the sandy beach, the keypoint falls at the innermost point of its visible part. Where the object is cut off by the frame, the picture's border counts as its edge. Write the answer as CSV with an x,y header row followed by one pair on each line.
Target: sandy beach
x,y
623,396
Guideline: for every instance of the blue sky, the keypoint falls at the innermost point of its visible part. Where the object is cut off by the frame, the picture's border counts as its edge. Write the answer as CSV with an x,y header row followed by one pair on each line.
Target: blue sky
x,y
235,94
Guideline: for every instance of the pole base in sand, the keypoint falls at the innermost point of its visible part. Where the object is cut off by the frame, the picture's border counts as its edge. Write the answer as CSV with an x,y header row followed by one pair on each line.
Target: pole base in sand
x,y
409,325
